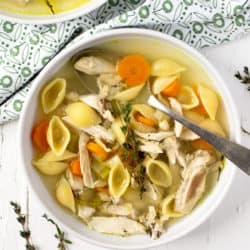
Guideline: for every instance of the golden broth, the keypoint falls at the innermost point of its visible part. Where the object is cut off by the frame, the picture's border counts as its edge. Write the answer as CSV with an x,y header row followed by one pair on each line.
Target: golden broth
x,y
39,7
152,50
194,74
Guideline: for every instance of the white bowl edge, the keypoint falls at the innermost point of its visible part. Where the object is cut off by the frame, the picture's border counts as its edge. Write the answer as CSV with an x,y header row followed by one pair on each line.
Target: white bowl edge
x,y
91,41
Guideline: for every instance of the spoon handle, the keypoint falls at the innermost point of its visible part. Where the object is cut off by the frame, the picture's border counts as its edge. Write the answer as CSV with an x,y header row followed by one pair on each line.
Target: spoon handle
x,y
236,153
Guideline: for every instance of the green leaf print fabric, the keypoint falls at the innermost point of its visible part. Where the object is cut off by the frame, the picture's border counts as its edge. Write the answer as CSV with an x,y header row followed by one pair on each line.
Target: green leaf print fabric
x,y
25,49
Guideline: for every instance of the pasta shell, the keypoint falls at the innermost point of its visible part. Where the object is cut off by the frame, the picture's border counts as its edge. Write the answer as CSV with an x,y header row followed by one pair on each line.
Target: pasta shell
x,y
188,98
50,167
158,172
167,207
82,115
147,112
165,67
64,194
194,116
161,83
213,126
58,136
209,100
53,95
119,178
128,94
117,131
52,157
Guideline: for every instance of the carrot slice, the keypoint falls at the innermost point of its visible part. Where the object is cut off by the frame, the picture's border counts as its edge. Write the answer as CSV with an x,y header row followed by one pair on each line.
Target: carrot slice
x,y
97,150
134,69
39,136
102,189
200,108
144,120
201,144
172,89
75,167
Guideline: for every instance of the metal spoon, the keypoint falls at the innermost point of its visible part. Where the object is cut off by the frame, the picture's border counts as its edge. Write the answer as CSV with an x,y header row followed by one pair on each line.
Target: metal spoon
x,y
236,153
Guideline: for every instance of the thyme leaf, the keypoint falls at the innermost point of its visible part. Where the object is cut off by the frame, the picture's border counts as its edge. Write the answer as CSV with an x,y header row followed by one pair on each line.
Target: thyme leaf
x,y
60,235
244,77
49,4
131,154
23,220
245,130
140,178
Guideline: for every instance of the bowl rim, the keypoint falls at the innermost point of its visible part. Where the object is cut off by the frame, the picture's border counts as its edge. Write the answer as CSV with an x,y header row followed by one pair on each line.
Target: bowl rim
x,y
52,19
122,32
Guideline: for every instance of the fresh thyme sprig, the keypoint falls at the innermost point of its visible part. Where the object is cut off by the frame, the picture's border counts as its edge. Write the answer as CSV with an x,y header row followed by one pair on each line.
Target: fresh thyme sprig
x,y
131,153
140,178
23,220
244,77
60,235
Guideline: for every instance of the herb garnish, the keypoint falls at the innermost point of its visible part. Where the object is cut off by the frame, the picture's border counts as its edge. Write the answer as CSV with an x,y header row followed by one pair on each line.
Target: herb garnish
x,y
126,110
131,146
244,130
245,77
49,4
140,178
60,235
130,150
24,221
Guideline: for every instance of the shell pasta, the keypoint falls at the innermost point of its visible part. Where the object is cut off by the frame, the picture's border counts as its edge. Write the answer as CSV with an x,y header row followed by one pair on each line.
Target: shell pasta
x,y
116,163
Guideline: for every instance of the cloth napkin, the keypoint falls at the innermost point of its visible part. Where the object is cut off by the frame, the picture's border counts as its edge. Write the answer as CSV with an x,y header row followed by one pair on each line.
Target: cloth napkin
x,y
26,49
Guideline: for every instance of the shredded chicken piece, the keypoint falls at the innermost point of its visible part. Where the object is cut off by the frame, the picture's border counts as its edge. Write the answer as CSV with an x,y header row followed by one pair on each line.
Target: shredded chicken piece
x,y
191,189
100,133
159,136
176,106
152,192
151,222
96,131
198,158
151,147
188,135
194,181
75,182
180,130
172,147
164,125
85,161
85,212
96,102
116,225
93,65
109,85
118,209
110,79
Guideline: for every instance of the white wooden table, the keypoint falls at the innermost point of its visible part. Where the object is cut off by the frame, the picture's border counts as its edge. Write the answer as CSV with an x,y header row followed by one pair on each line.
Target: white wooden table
x,y
229,226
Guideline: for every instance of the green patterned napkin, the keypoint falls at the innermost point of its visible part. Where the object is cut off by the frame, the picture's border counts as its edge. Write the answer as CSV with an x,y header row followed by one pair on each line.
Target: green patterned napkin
x,y
25,49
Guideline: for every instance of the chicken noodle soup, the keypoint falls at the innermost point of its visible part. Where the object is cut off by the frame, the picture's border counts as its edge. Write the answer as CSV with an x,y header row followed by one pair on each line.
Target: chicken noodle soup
x,y
122,166
40,7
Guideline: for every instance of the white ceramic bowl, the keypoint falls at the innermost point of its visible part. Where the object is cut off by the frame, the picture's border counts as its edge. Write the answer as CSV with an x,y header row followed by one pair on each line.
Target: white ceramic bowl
x,y
48,19
145,39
